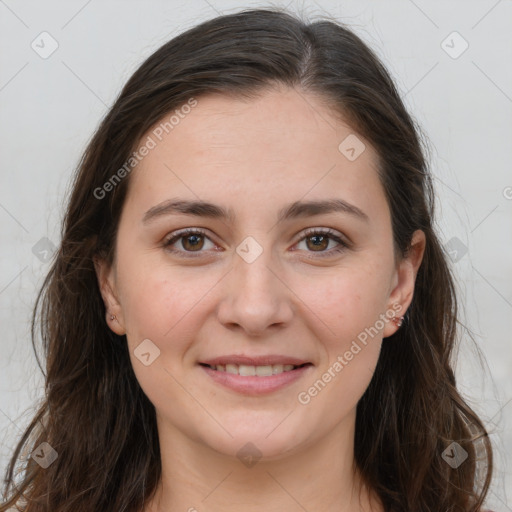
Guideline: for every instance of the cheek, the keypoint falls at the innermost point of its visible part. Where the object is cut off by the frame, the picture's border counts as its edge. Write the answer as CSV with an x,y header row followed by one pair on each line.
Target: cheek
x,y
350,306
157,297
163,309
349,301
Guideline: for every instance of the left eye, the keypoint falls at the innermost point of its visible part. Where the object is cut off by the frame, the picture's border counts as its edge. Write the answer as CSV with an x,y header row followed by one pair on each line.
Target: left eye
x,y
193,240
320,240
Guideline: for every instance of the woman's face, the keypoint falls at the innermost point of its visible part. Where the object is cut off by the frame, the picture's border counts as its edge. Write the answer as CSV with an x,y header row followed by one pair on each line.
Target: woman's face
x,y
263,283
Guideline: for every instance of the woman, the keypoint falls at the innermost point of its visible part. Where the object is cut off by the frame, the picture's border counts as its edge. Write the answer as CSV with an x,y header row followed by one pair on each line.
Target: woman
x,y
250,307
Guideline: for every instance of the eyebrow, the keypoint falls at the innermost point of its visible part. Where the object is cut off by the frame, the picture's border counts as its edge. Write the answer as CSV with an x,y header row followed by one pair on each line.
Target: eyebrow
x,y
294,210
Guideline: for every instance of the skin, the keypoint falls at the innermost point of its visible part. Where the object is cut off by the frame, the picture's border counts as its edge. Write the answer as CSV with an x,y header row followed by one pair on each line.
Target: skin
x,y
256,157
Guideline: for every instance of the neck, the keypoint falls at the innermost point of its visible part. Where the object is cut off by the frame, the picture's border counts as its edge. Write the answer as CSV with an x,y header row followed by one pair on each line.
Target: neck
x,y
320,476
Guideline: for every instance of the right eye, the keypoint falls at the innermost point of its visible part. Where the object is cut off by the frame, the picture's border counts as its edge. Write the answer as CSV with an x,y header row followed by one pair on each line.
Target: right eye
x,y
192,241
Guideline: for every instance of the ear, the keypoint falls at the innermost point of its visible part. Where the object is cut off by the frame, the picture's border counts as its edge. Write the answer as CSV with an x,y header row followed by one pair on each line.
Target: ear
x,y
404,279
106,281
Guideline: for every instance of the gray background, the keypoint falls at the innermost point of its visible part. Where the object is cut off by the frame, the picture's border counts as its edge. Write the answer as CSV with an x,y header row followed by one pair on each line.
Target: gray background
x,y
463,100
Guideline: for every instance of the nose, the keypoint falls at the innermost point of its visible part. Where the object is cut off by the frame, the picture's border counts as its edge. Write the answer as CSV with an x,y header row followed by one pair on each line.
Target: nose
x,y
256,297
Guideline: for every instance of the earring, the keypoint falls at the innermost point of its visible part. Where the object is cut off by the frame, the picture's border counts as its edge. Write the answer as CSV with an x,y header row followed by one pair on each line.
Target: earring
x,y
112,317
398,321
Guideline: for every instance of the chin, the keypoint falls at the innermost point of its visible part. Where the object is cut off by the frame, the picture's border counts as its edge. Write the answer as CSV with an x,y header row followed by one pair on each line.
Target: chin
x,y
266,442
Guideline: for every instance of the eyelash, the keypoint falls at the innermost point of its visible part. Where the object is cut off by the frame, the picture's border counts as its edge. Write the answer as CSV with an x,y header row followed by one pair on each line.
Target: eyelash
x,y
308,233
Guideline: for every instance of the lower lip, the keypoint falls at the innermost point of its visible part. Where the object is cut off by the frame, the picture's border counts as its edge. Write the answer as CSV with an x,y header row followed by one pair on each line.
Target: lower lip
x,y
253,385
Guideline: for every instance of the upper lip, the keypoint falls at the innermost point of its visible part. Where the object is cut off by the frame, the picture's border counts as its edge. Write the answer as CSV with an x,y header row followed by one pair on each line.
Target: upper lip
x,y
264,360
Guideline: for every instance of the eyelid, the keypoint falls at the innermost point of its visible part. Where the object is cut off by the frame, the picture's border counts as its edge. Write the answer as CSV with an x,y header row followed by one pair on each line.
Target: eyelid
x,y
185,231
325,230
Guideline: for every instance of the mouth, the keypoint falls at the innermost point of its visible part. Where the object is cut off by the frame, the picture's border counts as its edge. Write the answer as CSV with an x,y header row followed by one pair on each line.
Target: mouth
x,y
255,379
245,370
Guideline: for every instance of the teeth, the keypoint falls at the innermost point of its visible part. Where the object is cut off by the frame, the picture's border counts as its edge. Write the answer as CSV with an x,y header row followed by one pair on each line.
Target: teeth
x,y
247,370
262,371
277,368
230,368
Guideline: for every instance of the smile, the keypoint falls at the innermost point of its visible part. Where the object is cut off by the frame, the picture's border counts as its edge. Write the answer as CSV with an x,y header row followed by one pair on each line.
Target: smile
x,y
255,380
259,371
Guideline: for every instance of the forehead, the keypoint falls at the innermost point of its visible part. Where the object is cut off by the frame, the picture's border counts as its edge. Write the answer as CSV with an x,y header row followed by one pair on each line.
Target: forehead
x,y
278,147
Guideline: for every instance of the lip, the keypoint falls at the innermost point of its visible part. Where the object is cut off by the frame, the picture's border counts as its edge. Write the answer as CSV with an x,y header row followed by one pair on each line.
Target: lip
x,y
263,360
254,385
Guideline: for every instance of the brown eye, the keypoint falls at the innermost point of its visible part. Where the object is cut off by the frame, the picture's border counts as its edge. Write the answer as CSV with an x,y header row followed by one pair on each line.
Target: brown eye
x,y
192,241
318,240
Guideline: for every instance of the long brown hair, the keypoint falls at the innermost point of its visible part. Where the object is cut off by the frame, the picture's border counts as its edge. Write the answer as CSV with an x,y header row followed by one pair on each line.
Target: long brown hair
x,y
96,416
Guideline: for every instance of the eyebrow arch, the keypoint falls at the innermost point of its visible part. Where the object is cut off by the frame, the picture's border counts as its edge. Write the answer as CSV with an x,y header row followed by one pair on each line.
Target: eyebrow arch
x,y
294,210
